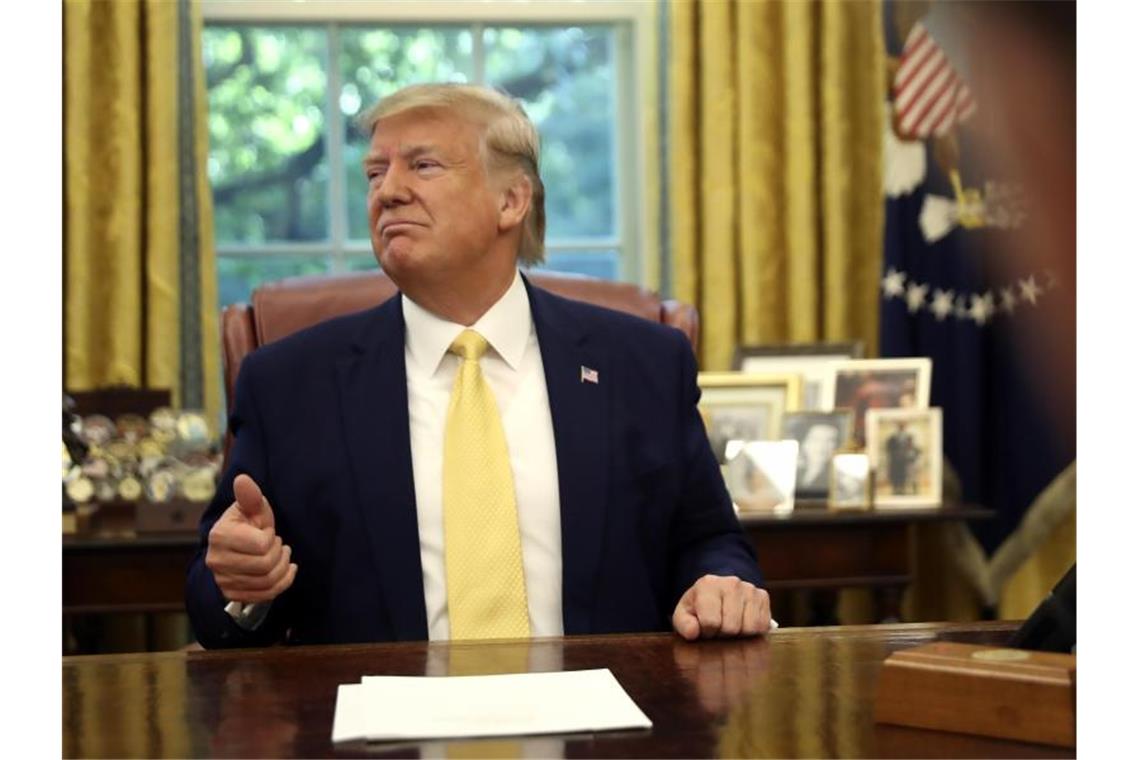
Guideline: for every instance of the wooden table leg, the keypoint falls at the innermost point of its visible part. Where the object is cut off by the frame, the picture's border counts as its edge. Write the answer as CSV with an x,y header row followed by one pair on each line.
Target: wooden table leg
x,y
824,605
888,604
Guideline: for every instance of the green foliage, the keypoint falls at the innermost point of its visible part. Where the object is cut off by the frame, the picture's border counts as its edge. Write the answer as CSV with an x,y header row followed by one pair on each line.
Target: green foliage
x,y
565,79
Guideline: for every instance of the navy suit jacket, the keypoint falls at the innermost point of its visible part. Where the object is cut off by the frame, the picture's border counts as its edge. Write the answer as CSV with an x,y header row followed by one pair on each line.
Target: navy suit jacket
x,y
321,423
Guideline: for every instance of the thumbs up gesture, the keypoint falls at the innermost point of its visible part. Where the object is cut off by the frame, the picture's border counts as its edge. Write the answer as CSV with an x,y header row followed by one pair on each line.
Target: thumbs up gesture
x,y
247,557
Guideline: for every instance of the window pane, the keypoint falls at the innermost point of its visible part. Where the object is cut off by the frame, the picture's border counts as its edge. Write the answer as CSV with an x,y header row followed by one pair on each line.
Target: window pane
x,y
565,79
239,275
268,165
603,264
361,262
377,62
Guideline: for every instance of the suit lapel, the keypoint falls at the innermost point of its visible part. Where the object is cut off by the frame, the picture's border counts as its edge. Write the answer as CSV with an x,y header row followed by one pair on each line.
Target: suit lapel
x,y
579,410
374,413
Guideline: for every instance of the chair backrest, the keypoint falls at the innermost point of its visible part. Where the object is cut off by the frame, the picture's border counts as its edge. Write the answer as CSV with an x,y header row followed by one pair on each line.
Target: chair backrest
x,y
281,308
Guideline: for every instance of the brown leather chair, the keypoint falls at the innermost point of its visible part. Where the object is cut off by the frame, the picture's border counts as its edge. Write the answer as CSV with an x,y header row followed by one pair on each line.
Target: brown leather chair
x,y
284,307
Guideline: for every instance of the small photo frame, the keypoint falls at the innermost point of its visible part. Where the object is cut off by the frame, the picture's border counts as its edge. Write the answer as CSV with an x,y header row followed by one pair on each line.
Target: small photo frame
x,y
905,449
820,436
862,384
761,476
850,482
745,406
813,362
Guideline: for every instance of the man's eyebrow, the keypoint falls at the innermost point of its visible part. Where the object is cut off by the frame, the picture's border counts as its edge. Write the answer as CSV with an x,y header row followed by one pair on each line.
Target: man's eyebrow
x,y
408,153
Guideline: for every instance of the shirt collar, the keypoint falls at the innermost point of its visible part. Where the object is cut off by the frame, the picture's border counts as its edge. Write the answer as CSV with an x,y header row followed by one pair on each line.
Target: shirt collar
x,y
506,326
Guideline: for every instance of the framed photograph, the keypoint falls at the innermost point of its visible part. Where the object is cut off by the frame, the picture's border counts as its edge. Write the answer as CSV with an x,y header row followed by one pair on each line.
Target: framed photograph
x,y
850,482
862,384
813,362
905,449
761,476
819,435
745,406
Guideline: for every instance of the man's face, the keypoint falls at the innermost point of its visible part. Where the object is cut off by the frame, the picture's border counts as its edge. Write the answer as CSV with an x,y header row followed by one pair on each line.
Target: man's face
x,y
819,443
432,208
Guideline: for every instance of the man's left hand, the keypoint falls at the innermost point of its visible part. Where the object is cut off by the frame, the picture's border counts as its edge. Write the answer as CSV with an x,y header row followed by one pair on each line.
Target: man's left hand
x,y
722,606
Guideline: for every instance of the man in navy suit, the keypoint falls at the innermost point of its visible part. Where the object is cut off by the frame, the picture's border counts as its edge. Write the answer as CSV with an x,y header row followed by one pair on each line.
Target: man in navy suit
x,y
329,522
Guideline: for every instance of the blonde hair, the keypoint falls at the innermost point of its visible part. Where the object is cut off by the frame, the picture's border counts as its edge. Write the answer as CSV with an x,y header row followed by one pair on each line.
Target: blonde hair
x,y
508,140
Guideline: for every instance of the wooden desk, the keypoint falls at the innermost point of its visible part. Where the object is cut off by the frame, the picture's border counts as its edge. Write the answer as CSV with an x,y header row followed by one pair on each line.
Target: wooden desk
x,y
801,693
815,549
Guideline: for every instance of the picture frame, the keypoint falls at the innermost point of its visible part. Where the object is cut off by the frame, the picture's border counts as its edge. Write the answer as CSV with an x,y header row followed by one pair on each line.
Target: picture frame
x,y
745,406
905,451
813,362
761,477
820,436
863,384
851,482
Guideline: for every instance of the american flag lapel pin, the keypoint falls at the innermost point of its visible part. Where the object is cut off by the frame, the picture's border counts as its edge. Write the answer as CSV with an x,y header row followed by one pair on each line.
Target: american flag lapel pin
x,y
589,375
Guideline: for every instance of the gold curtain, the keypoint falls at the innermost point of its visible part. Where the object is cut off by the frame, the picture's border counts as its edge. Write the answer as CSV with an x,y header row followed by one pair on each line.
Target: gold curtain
x,y
140,292
774,174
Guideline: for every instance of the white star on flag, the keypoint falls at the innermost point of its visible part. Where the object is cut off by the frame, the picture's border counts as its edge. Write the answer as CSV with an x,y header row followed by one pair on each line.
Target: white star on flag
x,y
916,297
1030,290
960,310
942,304
893,283
981,307
1008,300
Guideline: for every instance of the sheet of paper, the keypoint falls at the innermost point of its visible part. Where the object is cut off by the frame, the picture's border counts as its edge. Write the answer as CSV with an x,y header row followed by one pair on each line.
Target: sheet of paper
x,y
421,707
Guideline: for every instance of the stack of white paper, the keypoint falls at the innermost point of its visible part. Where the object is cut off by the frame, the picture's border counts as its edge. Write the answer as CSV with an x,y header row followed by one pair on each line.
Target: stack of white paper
x,y
424,707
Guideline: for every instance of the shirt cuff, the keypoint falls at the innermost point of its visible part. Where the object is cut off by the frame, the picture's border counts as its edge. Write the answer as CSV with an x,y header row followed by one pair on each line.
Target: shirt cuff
x,y
248,616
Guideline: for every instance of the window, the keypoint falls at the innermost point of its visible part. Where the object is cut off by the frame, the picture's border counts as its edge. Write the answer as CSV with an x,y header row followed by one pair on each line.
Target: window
x,y
285,87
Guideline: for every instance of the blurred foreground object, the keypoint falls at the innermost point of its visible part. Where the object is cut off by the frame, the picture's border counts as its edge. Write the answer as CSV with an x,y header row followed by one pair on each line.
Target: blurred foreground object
x,y
979,266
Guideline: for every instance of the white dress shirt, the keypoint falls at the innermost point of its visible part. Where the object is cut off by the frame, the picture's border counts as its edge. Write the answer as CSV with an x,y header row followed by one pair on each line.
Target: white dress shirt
x,y
513,369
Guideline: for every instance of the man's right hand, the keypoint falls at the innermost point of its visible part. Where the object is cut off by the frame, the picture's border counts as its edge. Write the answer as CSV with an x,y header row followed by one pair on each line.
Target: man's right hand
x,y
245,554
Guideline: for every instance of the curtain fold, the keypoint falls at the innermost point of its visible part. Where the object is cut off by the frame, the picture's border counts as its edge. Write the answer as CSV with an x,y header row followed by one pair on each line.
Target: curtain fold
x,y
137,208
775,196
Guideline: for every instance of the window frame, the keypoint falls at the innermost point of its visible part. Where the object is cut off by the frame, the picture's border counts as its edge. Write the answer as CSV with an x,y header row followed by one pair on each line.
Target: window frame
x,y
636,107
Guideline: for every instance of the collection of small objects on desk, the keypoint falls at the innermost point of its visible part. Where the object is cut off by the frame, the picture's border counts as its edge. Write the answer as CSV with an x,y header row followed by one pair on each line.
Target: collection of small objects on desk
x,y
166,458
854,433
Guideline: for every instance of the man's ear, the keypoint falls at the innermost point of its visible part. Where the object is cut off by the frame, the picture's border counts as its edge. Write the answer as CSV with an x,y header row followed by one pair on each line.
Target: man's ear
x,y
514,202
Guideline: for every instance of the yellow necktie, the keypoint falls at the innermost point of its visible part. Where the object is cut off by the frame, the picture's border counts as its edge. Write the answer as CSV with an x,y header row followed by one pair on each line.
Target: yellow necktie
x,y
486,591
